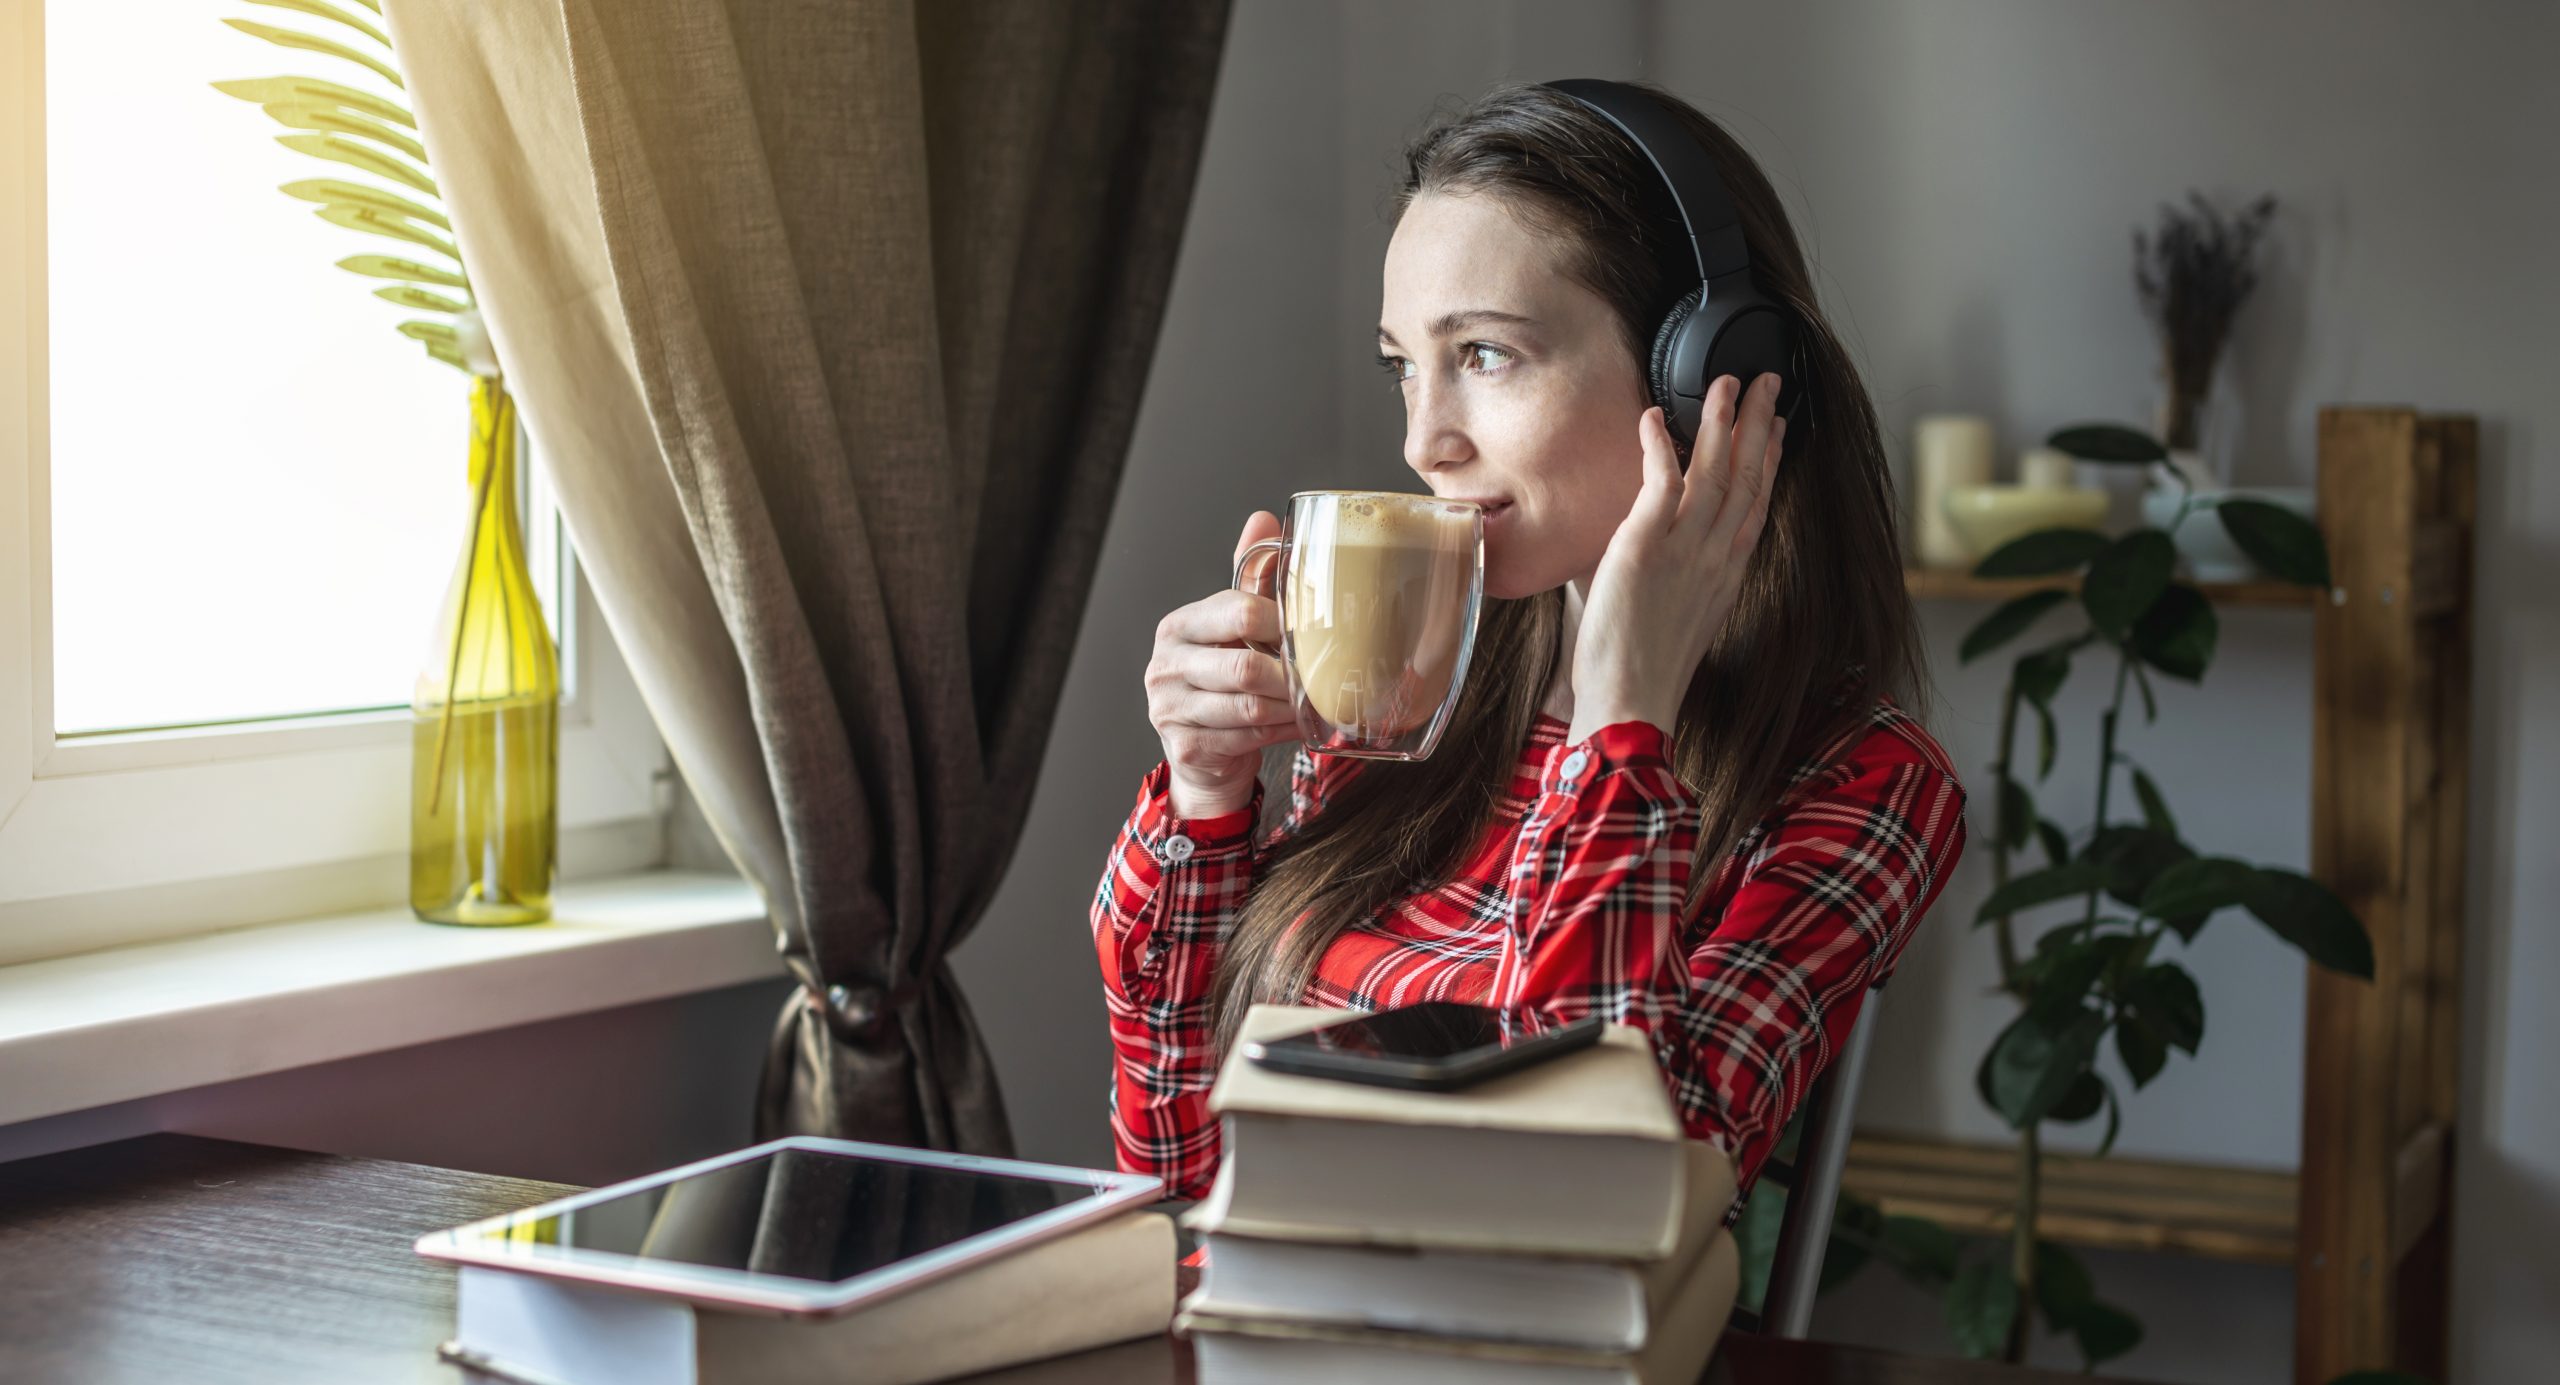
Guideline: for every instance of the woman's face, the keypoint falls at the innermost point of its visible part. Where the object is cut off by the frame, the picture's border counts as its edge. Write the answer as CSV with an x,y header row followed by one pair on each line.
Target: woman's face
x,y
1519,389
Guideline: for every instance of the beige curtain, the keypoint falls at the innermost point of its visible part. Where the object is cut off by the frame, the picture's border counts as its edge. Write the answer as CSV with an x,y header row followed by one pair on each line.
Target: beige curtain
x,y
829,319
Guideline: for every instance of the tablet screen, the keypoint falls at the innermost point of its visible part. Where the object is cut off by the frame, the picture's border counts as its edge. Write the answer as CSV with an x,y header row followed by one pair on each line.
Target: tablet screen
x,y
800,1213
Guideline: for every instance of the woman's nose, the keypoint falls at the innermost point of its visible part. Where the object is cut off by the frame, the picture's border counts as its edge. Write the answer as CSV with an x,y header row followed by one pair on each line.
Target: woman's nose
x,y
1434,435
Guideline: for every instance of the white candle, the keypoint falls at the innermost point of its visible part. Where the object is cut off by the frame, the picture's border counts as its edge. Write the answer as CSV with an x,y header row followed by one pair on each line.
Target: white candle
x,y
1946,450
2047,468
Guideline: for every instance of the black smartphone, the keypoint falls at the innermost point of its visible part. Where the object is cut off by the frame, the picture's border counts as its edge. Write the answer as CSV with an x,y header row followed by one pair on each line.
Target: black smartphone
x,y
1437,1046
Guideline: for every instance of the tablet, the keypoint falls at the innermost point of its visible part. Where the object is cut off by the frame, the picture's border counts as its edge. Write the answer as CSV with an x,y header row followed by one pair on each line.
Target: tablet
x,y
799,1226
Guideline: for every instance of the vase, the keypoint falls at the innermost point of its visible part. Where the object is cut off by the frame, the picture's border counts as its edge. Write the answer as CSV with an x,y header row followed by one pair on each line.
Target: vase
x,y
484,749
2201,444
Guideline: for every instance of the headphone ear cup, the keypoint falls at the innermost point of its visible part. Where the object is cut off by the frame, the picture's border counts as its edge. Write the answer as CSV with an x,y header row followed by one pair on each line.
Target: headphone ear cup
x,y
1666,339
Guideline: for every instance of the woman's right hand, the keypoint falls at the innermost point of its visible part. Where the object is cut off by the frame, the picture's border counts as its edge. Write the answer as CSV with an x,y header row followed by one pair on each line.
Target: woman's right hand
x,y
1216,703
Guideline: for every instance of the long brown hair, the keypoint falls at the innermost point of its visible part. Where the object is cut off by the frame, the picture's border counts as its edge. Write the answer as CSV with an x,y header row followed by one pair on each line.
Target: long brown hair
x,y
1821,627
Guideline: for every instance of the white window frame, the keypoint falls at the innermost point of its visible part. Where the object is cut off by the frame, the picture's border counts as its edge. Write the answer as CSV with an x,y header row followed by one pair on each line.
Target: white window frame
x,y
115,838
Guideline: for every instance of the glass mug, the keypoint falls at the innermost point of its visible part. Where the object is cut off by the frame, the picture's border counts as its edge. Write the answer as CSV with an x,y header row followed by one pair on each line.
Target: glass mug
x,y
1378,593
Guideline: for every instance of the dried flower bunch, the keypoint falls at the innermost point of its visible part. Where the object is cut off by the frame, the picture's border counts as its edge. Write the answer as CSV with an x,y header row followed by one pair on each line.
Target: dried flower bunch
x,y
2193,273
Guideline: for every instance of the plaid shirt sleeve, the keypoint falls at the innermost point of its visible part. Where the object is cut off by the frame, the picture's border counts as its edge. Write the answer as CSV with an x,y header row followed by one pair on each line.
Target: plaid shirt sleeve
x,y
1746,1008
1171,892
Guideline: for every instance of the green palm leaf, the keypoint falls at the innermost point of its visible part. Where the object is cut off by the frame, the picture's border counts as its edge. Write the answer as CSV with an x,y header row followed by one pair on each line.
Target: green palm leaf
x,y
397,228
324,10
448,355
372,199
411,296
432,332
268,91
356,155
410,271
331,120
287,38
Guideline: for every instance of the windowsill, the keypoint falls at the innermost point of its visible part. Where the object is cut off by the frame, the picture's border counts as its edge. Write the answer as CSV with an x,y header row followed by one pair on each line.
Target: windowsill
x,y
129,1022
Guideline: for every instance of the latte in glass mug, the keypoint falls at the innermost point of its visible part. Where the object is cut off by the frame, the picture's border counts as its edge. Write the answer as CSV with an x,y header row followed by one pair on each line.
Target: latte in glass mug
x,y
1379,593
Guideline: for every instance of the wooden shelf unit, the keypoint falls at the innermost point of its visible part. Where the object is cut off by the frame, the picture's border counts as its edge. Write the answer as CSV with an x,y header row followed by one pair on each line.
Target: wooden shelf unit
x,y
1946,584
2370,1235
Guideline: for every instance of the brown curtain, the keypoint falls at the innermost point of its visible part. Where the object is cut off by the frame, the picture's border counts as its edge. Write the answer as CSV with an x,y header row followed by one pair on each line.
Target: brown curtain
x,y
829,319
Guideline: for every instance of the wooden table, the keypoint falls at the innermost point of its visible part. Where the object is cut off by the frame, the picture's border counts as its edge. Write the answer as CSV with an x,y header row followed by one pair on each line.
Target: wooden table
x,y
174,1258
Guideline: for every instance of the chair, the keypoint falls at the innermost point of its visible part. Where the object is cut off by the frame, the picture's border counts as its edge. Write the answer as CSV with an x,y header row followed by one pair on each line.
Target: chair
x,y
1813,1182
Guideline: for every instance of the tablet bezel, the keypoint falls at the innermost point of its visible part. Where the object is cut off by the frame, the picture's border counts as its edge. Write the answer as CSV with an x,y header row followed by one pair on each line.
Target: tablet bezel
x,y
468,1244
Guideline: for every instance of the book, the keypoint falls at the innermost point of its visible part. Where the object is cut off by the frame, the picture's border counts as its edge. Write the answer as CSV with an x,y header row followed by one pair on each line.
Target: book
x,y
1234,1349
1579,1156
1604,1305
1104,1283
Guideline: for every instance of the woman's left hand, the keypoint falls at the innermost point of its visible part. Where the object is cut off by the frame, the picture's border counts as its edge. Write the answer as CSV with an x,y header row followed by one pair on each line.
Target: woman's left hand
x,y
1669,578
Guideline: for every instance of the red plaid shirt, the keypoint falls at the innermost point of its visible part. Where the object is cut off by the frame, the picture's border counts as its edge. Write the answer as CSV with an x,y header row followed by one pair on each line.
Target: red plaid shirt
x,y
1569,906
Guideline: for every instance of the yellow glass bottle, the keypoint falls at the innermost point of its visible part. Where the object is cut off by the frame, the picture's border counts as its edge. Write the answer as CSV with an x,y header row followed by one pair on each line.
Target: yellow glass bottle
x,y
484,804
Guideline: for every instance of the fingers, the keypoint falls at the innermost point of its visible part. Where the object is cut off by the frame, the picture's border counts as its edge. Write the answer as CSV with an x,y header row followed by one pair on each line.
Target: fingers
x,y
1743,459
1230,671
1262,524
1223,618
1659,501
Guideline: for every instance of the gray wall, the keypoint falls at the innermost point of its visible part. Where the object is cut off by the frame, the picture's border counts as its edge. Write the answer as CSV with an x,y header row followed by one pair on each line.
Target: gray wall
x,y
1966,175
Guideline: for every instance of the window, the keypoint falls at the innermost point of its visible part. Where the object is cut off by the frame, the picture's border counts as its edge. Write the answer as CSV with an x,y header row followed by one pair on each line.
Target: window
x,y
243,499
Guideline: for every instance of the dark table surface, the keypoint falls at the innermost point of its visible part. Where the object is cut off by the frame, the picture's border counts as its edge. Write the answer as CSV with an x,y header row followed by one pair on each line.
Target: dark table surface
x,y
171,1258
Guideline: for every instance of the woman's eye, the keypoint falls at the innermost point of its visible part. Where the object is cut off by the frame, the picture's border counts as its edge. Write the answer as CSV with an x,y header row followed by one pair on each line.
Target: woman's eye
x,y
1394,366
1480,350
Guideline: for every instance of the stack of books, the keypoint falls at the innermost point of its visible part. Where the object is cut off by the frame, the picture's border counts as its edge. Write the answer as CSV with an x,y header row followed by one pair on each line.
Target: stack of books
x,y
1550,1226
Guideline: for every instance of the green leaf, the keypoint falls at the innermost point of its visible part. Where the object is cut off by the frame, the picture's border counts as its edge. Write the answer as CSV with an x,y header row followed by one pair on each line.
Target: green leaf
x,y
2033,1068
323,10
1920,1249
2042,553
2017,814
2057,847
2142,680
447,354
2125,579
2304,913
2063,979
267,91
411,296
327,118
2007,623
287,38
2133,857
1981,1304
386,267
2039,675
2106,1332
2186,894
2086,1097
2284,544
339,191
2041,887
2155,809
359,219
2143,1053
340,149
2177,635
2163,1002
2107,442
2063,1287
430,331
2044,741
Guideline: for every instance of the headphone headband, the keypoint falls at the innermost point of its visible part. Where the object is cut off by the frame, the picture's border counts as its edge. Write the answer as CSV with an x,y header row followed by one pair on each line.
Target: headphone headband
x,y
1713,228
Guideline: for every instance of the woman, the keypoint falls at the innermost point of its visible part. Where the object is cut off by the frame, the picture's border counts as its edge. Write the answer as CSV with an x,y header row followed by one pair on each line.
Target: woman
x,y
1680,788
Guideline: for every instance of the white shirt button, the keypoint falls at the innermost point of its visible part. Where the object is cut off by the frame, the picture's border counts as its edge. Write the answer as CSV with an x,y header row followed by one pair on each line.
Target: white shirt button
x,y
1574,763
1178,849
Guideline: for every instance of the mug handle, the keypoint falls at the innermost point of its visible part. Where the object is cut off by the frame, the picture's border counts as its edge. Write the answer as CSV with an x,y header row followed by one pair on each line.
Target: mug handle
x,y
1280,548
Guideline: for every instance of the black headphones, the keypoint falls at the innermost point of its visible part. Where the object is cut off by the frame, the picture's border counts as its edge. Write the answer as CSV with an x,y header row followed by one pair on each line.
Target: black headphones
x,y
1724,326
